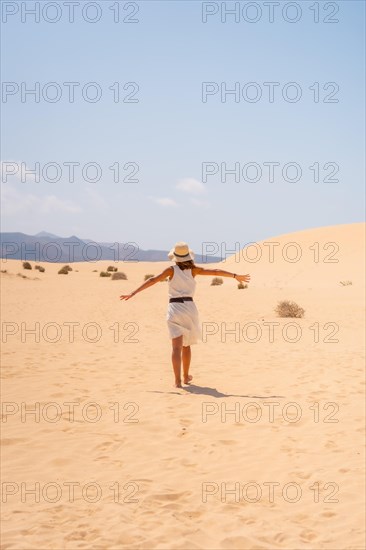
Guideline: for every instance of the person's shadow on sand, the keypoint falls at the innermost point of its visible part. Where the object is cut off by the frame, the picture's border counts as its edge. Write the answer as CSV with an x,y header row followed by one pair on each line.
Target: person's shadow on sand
x,y
212,392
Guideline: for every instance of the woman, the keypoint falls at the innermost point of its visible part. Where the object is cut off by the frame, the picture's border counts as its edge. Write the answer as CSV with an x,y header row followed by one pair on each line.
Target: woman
x,y
182,316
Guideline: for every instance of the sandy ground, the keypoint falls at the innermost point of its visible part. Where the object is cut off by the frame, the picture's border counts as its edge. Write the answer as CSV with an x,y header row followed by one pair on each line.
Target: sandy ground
x,y
263,451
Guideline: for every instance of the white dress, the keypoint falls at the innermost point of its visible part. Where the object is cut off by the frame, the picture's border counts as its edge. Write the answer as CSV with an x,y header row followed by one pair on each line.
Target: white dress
x,y
182,317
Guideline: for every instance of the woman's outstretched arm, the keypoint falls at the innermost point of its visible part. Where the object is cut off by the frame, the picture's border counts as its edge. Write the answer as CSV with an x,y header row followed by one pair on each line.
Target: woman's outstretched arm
x,y
150,282
221,272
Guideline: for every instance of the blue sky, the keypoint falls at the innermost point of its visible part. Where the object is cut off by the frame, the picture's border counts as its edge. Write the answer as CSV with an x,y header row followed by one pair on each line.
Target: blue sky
x,y
170,131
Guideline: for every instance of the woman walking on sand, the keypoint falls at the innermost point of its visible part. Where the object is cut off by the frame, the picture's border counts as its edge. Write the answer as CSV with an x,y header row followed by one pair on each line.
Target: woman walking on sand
x,y
182,316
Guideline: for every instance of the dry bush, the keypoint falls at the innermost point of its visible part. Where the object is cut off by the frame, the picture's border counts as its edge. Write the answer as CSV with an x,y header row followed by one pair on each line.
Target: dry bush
x,y
345,283
216,281
240,285
95,271
104,274
119,276
289,309
63,271
67,267
22,276
40,268
27,265
112,268
148,276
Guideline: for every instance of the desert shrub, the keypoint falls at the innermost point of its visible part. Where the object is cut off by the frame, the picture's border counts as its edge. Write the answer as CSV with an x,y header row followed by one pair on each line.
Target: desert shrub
x,y
289,309
22,276
67,267
216,281
104,274
345,283
95,271
27,265
40,268
148,276
63,271
240,285
112,268
118,276
4,271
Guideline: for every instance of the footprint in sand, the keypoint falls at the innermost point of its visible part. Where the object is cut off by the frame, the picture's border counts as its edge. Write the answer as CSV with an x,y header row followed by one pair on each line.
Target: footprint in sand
x,y
13,441
187,464
301,475
185,422
191,515
249,521
82,535
171,497
279,537
301,517
308,536
103,446
328,514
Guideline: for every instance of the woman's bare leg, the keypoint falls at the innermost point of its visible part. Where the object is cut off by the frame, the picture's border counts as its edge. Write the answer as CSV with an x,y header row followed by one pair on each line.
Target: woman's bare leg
x,y
186,358
177,359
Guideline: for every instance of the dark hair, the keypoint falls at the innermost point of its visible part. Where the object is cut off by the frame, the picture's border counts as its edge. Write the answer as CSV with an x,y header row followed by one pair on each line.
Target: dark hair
x,y
186,265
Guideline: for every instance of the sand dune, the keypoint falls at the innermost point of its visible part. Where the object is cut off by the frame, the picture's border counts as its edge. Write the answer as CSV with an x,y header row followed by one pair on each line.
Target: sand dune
x,y
310,258
263,451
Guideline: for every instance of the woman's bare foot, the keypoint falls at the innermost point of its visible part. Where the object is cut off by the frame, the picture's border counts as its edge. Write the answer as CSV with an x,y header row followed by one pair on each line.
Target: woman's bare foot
x,y
188,379
178,384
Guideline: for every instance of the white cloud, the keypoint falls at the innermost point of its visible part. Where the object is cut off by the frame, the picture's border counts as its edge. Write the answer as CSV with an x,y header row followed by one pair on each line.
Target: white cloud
x,y
51,203
95,198
166,201
191,185
14,203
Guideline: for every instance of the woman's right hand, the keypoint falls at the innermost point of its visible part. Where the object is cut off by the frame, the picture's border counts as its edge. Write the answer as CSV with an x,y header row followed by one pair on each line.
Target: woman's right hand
x,y
243,278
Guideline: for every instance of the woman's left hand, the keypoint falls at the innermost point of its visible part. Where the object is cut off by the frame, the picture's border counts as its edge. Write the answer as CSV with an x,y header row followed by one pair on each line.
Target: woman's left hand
x,y
126,296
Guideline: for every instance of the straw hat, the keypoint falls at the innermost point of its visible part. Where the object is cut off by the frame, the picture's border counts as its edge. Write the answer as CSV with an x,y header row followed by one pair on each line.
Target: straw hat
x,y
181,253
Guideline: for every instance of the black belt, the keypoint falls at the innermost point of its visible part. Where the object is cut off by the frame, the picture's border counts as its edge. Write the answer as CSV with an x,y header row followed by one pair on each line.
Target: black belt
x,y
181,300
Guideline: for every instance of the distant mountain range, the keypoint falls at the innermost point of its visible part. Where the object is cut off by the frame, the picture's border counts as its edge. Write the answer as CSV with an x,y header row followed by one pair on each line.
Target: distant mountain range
x,y
46,247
